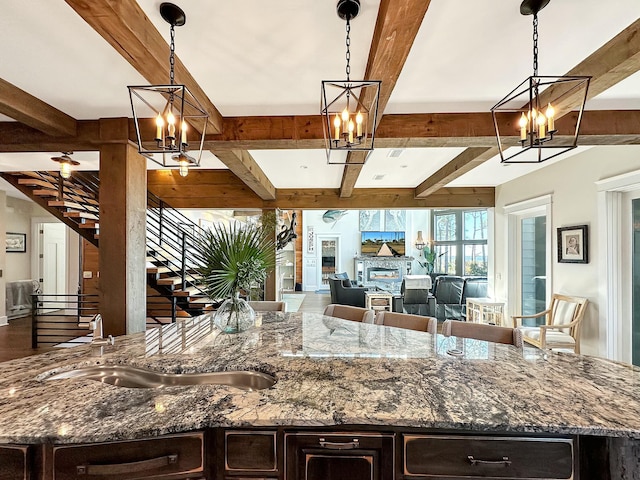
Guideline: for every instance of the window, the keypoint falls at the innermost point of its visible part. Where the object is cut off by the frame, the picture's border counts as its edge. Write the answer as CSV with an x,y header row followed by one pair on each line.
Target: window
x,y
460,242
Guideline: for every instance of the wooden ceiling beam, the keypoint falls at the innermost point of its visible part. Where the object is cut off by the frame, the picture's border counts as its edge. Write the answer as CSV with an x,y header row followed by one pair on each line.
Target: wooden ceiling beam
x,y
463,163
616,60
33,112
242,164
126,28
396,28
222,189
598,127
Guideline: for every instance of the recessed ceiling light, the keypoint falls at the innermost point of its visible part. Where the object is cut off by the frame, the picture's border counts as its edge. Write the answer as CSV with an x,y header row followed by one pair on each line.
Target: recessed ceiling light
x,y
304,167
378,177
404,166
395,153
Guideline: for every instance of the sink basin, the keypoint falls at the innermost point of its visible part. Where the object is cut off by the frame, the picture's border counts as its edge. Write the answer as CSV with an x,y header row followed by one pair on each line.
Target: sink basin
x,y
133,377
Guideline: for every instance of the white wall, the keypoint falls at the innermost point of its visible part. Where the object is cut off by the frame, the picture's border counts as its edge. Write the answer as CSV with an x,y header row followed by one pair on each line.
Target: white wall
x,y
347,229
18,220
574,202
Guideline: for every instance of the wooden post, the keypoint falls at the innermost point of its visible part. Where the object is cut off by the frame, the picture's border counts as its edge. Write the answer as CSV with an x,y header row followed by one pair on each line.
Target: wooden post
x,y
270,284
123,204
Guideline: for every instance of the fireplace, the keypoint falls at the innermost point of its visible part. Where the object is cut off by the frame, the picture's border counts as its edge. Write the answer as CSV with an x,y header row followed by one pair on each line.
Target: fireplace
x,y
382,271
383,274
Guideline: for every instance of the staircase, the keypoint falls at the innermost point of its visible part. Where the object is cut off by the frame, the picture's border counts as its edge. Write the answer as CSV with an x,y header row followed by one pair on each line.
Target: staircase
x,y
172,248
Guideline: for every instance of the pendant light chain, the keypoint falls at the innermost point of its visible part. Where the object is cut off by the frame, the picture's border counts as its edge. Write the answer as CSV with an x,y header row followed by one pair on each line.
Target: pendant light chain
x,y
348,44
535,45
172,51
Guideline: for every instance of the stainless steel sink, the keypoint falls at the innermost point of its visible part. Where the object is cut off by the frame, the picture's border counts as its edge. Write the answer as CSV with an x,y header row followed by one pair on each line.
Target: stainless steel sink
x,y
133,377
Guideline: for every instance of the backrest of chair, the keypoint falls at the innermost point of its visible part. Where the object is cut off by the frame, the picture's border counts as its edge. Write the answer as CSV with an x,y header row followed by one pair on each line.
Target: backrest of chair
x,y
566,309
408,321
334,284
347,312
267,306
415,296
449,289
481,331
474,288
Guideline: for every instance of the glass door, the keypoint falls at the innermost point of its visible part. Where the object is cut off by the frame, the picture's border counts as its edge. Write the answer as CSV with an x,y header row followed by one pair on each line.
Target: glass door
x,y
329,262
635,283
533,264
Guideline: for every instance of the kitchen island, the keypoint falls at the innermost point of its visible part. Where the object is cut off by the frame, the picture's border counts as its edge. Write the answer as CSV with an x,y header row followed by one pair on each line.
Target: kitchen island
x,y
330,373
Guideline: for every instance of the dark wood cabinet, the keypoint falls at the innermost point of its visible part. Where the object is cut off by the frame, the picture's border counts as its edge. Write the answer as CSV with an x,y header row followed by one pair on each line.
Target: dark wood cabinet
x,y
332,453
178,456
15,462
487,456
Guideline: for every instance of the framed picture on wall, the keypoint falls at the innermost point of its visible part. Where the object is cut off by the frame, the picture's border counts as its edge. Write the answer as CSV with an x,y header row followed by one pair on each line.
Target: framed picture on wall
x,y
573,244
16,242
370,220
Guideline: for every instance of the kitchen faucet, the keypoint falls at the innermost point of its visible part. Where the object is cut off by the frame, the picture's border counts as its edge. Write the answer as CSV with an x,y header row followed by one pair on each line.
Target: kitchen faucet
x,y
98,337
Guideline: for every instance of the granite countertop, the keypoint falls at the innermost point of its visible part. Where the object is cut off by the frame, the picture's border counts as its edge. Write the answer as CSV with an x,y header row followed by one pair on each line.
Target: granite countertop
x,y
329,372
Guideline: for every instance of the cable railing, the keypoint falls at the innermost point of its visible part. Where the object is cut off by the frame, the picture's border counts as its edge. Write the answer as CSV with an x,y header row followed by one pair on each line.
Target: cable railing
x,y
61,319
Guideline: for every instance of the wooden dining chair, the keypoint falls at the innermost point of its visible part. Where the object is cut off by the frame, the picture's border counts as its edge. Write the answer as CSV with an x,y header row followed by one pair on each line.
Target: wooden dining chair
x,y
408,321
482,331
347,312
268,306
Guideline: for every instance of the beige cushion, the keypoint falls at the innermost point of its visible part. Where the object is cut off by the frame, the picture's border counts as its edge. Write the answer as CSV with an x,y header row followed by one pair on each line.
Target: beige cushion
x,y
551,338
564,312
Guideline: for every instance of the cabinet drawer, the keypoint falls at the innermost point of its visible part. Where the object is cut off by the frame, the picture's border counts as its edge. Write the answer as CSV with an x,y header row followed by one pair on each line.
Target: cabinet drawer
x,y
443,456
250,451
172,456
14,462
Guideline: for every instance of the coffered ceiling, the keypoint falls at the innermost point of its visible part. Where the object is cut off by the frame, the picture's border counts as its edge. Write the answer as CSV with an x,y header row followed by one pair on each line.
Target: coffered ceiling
x,y
260,65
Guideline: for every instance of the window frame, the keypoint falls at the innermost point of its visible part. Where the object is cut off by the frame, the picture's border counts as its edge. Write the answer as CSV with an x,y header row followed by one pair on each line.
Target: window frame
x,y
459,243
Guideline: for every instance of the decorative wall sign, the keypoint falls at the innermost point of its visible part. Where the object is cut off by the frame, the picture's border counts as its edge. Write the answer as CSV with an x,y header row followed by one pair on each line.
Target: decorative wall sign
x,y
573,244
16,242
394,220
370,220
311,240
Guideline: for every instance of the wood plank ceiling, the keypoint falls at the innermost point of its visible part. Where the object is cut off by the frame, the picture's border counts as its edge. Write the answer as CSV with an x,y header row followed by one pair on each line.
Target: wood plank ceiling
x,y
41,127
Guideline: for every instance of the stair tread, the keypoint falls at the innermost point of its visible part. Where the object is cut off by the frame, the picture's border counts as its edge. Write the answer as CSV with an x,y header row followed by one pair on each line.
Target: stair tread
x,y
81,215
169,281
160,269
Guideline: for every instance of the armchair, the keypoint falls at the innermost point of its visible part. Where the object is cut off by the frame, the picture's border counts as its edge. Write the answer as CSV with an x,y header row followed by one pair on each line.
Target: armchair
x,y
344,294
415,290
448,296
562,324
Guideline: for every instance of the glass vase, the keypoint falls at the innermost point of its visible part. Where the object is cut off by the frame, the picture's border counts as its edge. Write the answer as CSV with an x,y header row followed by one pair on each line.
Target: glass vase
x,y
234,315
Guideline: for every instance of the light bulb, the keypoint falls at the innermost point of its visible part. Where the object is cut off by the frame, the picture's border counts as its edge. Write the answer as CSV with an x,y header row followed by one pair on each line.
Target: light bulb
x,y
336,124
171,121
523,127
184,133
65,169
184,168
159,127
359,124
550,117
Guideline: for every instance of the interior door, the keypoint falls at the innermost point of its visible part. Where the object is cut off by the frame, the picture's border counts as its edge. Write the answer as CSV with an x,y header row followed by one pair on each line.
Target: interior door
x,y
630,242
53,258
329,261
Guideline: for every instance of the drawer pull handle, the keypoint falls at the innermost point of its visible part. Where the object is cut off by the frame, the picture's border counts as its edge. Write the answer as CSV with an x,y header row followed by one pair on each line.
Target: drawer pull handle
x,y
131,467
476,461
340,445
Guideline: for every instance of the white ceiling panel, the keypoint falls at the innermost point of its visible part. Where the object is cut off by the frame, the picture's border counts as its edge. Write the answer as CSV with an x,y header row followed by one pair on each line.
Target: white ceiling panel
x,y
298,168
469,55
408,170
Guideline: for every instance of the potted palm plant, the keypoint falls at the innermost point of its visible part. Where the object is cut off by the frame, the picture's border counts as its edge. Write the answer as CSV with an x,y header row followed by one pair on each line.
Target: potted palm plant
x,y
235,258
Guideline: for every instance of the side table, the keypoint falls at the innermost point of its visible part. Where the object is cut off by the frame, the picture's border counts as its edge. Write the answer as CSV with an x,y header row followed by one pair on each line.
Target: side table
x,y
379,300
485,310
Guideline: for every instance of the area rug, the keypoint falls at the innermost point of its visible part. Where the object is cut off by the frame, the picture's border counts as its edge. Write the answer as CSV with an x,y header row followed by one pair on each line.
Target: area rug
x,y
322,290
293,301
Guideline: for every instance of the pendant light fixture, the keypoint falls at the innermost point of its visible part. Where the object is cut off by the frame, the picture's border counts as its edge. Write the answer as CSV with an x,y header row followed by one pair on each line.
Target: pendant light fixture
x,y
349,108
166,116
66,162
526,117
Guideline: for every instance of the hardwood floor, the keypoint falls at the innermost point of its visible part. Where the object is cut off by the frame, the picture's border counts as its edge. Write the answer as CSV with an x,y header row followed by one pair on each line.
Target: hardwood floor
x,y
15,338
